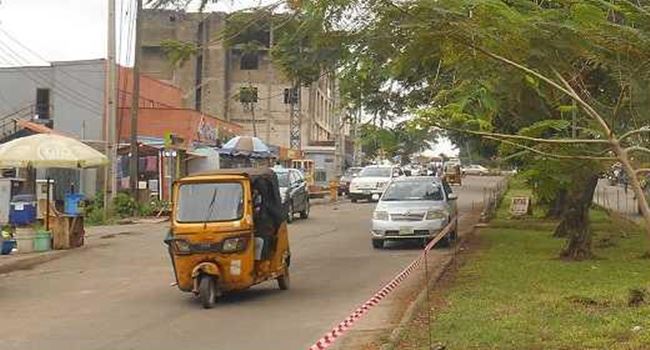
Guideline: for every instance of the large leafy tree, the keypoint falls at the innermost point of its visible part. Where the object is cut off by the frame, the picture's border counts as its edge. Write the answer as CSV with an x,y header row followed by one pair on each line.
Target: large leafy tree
x,y
513,73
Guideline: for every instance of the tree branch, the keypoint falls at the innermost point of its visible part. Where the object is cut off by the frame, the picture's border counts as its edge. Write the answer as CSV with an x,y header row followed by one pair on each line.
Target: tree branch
x,y
528,138
634,132
550,155
642,171
637,149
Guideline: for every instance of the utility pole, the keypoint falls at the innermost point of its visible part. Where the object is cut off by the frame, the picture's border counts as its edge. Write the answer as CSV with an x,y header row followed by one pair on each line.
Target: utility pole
x,y
135,103
111,109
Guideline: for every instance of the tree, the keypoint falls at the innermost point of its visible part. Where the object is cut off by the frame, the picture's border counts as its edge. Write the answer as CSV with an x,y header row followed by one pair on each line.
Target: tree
x,y
497,74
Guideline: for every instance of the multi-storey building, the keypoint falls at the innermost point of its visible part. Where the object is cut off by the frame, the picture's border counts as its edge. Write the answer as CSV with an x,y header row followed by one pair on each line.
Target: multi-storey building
x,y
212,80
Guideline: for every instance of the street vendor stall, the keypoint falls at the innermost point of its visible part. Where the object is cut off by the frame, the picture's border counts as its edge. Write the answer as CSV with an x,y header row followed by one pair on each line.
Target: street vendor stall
x,y
54,151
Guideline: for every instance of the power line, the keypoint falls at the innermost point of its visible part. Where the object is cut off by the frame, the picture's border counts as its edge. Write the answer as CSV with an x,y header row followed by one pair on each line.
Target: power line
x,y
34,76
20,61
82,82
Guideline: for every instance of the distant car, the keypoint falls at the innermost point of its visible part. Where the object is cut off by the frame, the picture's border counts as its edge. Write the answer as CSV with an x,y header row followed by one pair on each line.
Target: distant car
x,y
294,192
475,169
415,208
344,182
371,181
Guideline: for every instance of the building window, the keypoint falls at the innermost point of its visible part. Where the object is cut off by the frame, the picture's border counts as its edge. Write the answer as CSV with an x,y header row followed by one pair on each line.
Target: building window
x,y
290,95
43,103
249,61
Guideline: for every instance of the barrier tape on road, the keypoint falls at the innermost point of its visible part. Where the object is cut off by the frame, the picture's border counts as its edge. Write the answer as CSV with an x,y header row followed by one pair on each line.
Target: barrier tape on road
x,y
330,337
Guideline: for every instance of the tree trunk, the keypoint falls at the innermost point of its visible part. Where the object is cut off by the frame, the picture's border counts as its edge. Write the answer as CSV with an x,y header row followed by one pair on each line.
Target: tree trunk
x,y
557,205
575,219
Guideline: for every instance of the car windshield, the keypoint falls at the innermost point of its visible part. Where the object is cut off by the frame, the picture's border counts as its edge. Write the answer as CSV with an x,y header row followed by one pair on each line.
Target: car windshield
x,y
375,172
283,178
209,202
413,191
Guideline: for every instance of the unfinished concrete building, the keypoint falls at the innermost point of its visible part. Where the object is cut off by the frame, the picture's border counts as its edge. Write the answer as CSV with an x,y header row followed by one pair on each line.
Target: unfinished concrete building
x,y
214,78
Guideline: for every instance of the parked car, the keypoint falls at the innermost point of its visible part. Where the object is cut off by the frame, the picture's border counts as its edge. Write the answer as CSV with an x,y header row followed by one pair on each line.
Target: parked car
x,y
415,208
344,182
294,192
475,169
371,182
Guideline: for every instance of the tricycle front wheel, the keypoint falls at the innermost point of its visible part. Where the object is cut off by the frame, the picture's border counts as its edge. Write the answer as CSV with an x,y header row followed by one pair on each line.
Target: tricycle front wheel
x,y
207,291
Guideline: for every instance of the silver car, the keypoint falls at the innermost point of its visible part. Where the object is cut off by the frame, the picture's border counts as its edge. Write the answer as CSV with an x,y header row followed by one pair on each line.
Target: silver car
x,y
415,208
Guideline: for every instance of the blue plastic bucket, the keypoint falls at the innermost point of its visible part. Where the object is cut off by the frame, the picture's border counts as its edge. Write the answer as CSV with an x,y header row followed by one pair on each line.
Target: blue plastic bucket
x,y
73,204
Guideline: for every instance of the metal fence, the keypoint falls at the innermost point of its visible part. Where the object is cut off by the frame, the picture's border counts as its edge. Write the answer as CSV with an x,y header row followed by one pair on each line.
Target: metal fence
x,y
616,198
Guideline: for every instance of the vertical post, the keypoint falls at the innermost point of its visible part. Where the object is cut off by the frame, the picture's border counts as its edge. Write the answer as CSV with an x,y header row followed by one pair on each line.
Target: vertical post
x,y
110,113
47,205
135,102
618,199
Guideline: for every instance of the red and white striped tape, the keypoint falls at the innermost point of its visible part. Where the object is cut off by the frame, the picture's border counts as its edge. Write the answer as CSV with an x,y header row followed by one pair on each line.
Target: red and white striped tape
x,y
330,337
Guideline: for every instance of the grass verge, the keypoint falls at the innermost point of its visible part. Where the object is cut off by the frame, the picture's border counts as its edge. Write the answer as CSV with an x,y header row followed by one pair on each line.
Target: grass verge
x,y
515,293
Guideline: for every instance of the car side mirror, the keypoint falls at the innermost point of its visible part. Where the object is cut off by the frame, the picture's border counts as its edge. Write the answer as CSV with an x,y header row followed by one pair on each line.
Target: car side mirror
x,y
452,197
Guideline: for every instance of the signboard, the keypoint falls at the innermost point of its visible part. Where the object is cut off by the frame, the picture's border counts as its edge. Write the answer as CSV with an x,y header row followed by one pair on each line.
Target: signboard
x,y
520,206
207,133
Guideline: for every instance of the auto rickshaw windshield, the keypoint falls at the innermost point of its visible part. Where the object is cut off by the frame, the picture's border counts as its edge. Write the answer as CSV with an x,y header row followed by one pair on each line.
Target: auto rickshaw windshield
x,y
210,202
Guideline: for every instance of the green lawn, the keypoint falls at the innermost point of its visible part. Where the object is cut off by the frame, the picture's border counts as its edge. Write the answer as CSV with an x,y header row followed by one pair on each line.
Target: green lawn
x,y
514,293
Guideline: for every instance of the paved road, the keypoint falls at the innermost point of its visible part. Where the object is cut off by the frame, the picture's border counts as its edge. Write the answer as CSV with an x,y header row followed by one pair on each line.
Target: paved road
x,y
116,295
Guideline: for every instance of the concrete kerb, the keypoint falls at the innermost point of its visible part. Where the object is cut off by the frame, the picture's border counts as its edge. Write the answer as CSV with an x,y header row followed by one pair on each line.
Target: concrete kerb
x,y
420,300
30,260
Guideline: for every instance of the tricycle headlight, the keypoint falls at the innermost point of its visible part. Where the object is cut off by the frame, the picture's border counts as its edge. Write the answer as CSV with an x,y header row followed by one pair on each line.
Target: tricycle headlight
x,y
380,215
182,246
436,214
234,245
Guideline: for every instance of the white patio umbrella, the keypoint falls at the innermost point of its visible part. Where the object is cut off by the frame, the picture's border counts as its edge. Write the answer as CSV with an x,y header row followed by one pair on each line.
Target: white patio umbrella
x,y
49,151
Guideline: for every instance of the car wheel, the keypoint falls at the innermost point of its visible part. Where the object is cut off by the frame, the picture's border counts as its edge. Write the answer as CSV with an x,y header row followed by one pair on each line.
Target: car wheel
x,y
445,242
378,243
354,200
305,213
290,213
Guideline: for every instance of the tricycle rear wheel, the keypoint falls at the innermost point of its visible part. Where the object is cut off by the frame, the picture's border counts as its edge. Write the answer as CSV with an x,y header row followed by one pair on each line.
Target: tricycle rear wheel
x,y
284,281
207,291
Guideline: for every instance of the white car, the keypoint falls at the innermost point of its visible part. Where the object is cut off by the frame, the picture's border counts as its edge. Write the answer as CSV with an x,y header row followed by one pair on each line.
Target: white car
x,y
475,169
372,181
415,208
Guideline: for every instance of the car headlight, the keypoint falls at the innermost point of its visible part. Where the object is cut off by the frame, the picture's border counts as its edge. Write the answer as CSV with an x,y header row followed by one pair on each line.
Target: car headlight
x,y
182,246
381,184
380,215
436,214
233,245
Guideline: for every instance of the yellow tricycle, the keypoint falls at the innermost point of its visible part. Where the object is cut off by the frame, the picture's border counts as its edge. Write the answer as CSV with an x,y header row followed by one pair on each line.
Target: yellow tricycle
x,y
228,232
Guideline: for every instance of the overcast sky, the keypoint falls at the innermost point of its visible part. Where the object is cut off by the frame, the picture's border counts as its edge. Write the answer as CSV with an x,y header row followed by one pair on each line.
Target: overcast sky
x,y
59,30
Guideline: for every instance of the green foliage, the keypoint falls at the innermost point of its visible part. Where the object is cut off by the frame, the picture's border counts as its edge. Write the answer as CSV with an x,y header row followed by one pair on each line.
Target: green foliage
x,y
178,52
124,205
94,211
